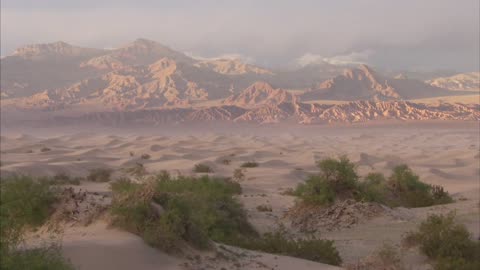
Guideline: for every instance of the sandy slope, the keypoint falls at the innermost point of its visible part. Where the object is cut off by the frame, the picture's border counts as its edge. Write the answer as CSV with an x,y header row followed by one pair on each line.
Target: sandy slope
x,y
444,156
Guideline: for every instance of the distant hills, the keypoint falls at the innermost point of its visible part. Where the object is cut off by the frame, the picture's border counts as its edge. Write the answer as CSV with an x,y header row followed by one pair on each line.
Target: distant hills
x,y
363,83
146,75
300,113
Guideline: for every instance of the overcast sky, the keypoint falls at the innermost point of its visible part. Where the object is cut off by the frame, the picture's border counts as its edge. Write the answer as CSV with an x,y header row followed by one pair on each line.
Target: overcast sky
x,y
407,34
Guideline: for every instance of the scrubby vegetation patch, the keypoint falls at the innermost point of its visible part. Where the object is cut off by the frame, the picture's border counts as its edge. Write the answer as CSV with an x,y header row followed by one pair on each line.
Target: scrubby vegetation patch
x,y
338,180
448,243
202,168
169,212
26,203
249,164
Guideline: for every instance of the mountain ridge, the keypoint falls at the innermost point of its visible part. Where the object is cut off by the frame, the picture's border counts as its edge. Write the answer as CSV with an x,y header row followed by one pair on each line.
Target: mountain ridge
x,y
299,113
146,75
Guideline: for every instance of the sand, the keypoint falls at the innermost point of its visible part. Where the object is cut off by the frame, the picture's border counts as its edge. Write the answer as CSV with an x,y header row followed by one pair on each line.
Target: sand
x,y
442,156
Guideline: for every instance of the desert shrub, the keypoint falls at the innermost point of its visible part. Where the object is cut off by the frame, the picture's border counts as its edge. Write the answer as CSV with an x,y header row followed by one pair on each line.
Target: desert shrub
x,y
373,188
99,175
338,179
168,211
202,168
264,208
194,210
440,196
26,203
456,264
403,188
45,149
340,173
249,164
315,190
132,210
226,161
26,200
145,156
407,190
310,249
238,174
49,257
447,242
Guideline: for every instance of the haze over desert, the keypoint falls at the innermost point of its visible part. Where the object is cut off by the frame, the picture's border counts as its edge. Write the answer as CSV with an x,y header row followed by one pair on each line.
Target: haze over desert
x,y
207,135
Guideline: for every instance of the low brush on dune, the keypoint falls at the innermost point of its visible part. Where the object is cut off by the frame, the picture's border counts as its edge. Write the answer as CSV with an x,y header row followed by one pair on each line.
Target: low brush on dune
x,y
25,204
446,242
170,213
337,197
338,181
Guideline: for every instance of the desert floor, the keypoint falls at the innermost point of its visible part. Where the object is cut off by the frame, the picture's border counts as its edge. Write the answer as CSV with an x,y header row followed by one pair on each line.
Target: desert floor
x,y
443,155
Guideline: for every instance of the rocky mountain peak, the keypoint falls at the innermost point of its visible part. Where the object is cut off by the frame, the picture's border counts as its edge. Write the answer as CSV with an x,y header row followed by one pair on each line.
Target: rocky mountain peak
x,y
260,93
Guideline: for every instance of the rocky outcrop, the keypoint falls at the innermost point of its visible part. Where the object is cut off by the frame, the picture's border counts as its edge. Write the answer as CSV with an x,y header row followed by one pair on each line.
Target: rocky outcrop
x,y
231,67
260,93
301,113
365,84
57,49
362,111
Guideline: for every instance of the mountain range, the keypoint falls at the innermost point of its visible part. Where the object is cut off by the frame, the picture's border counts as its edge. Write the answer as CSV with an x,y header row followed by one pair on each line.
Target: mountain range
x,y
148,78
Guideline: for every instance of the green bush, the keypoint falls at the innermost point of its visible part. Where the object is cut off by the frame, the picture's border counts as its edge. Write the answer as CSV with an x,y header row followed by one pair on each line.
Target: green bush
x,y
99,175
373,188
315,190
26,203
456,264
338,180
25,200
202,168
310,249
341,173
440,196
407,190
216,216
447,242
169,211
36,259
249,164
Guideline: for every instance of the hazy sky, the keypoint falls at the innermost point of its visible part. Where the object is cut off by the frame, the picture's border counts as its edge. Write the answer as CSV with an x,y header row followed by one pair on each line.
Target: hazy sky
x,y
413,34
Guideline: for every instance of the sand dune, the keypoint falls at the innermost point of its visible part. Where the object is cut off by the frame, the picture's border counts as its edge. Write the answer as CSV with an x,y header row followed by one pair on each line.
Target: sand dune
x,y
440,156
435,153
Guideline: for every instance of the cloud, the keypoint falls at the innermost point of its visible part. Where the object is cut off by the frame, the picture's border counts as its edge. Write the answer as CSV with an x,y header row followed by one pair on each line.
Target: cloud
x,y
352,58
271,32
